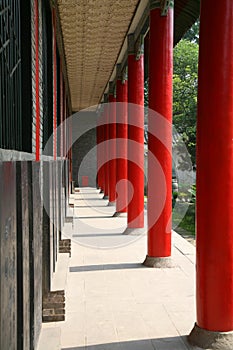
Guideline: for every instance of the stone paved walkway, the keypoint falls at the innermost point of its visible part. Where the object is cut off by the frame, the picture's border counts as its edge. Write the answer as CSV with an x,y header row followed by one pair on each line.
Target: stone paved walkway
x,y
112,301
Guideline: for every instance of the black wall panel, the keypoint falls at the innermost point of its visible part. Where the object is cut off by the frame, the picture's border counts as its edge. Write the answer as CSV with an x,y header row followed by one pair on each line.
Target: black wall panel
x,y
23,284
35,234
8,263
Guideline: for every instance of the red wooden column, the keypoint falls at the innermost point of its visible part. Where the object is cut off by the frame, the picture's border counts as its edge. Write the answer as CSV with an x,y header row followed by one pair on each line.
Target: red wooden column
x,y
100,155
106,155
122,139
61,111
160,145
214,265
37,79
65,124
112,145
135,132
70,155
98,141
54,87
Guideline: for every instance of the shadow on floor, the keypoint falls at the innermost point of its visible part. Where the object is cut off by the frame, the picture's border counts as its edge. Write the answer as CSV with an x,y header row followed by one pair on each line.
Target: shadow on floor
x,y
93,217
94,235
84,197
89,192
172,343
106,267
90,206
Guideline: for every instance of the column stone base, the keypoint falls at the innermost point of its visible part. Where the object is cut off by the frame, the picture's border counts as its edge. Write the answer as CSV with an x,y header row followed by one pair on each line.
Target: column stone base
x,y
120,215
111,204
211,340
105,197
135,231
165,262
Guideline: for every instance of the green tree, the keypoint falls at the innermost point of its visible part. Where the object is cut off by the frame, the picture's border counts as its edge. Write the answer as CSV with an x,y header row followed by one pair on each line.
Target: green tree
x,y
193,33
185,92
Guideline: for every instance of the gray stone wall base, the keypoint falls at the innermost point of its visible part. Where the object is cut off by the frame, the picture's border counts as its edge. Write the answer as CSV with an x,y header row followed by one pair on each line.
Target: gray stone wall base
x,y
211,340
164,262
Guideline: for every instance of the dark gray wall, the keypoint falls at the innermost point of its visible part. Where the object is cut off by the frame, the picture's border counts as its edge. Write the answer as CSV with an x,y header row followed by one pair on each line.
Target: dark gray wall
x,y
8,257
26,260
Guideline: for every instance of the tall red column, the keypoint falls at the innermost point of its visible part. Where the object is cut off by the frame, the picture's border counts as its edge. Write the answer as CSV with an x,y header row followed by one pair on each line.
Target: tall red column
x,y
37,79
112,145
61,111
135,133
54,87
160,145
70,131
122,138
65,130
106,137
214,265
100,139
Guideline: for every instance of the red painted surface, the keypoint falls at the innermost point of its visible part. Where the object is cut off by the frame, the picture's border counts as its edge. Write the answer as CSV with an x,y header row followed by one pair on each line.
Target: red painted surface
x,y
112,159
100,157
70,150
160,101
106,137
136,134
64,120
122,140
61,111
101,160
54,88
36,19
65,116
98,141
215,169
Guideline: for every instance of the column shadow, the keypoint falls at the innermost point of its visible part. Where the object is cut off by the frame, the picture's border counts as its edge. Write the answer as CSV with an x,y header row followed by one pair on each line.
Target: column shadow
x,y
87,268
169,343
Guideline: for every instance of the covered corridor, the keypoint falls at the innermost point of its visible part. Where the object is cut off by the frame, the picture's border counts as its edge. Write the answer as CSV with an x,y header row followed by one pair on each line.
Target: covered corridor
x,y
72,77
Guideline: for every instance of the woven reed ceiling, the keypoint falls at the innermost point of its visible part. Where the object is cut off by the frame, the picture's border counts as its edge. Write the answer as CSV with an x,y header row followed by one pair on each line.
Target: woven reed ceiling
x,y
93,33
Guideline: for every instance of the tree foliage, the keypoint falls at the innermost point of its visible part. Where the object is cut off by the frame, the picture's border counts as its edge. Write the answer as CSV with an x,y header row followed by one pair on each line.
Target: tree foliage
x,y
193,33
185,81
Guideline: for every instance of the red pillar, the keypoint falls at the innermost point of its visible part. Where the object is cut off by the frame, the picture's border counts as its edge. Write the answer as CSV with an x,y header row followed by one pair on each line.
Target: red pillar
x,y
136,133
122,138
37,78
214,264
98,142
65,122
61,111
70,154
160,102
54,87
100,157
106,137
112,145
